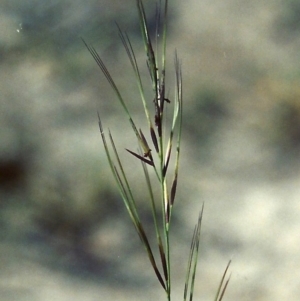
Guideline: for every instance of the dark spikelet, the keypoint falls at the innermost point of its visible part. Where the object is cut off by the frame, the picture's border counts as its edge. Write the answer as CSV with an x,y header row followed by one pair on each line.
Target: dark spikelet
x,y
173,190
154,139
167,160
141,157
158,124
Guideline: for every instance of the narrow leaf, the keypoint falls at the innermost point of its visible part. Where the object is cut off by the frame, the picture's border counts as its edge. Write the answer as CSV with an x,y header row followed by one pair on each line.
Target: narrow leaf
x,y
155,217
131,55
179,110
193,260
221,290
106,73
123,187
151,257
148,46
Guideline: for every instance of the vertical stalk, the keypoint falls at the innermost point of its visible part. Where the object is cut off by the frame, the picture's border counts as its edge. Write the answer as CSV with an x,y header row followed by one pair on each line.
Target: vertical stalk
x,y
163,143
165,198
166,220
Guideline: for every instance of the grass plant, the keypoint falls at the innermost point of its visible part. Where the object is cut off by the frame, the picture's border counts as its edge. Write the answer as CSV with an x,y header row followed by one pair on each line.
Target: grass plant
x,y
158,147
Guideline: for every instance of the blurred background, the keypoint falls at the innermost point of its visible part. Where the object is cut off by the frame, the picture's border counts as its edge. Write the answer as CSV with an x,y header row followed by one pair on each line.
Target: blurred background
x,y
65,234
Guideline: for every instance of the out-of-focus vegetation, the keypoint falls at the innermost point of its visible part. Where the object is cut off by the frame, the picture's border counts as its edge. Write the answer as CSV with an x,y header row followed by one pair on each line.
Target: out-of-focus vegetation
x,y
288,21
205,115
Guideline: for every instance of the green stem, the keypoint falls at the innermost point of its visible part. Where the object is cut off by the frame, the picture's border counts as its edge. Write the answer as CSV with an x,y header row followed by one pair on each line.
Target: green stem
x,y
166,225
